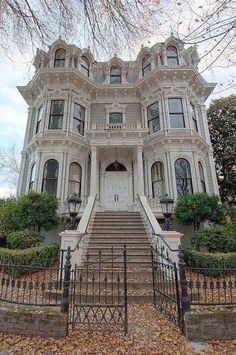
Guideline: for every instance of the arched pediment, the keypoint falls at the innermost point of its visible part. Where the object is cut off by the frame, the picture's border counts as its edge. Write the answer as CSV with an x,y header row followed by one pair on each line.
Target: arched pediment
x,y
88,54
59,43
173,41
143,52
116,166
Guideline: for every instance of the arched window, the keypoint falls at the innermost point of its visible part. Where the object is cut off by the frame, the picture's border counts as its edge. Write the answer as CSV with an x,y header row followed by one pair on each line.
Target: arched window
x,y
50,177
75,173
60,56
32,177
115,75
183,177
85,66
158,179
146,64
172,56
202,178
116,166
153,117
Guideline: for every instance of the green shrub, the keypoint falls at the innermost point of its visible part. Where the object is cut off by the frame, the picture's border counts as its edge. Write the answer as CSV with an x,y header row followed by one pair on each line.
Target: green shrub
x,y
7,213
29,260
216,239
208,260
23,239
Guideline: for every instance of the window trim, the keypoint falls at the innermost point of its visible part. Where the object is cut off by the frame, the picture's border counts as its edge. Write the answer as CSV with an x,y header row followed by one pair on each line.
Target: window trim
x,y
56,60
176,113
172,56
186,179
61,115
116,75
149,65
152,119
50,179
86,68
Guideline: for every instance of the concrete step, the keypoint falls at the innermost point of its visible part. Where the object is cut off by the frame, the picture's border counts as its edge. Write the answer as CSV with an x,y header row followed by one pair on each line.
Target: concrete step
x,y
116,264
114,285
100,244
117,224
129,257
117,232
118,250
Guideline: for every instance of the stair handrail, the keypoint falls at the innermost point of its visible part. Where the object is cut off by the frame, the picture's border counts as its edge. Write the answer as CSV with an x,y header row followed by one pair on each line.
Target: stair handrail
x,y
155,229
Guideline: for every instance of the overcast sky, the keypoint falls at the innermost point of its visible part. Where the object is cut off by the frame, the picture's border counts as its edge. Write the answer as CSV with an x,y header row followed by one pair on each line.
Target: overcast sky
x,y
14,110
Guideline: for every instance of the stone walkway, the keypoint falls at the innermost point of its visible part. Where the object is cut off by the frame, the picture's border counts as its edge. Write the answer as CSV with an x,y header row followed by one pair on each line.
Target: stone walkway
x,y
149,333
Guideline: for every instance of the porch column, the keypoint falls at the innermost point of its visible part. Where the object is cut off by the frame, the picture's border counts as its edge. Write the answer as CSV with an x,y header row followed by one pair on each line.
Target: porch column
x,y
93,187
140,170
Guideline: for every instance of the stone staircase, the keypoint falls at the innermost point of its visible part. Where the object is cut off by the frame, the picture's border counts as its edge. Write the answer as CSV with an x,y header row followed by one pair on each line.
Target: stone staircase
x,y
109,231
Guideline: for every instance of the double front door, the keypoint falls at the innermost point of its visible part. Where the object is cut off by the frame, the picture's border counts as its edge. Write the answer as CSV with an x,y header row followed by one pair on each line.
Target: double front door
x,y
116,191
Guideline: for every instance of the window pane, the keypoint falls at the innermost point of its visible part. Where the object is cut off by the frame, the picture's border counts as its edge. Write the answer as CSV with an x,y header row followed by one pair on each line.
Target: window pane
x,y
60,54
155,125
115,79
79,112
153,111
51,169
171,52
50,186
146,60
56,122
85,62
176,121
175,106
115,117
57,107
183,177
158,179
78,126
172,61
74,179
115,71
193,116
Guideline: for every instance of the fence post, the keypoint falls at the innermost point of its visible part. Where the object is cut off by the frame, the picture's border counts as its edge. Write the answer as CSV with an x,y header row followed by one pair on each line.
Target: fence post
x,y
66,283
185,301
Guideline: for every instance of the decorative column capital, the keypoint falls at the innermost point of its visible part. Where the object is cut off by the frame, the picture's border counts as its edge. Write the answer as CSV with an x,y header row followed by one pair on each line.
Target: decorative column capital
x,y
140,148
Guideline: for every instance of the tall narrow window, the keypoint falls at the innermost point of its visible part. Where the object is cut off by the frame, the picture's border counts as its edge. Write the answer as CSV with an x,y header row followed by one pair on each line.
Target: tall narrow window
x,y
32,177
183,177
172,56
146,64
39,119
115,117
50,177
115,75
158,179
78,119
193,117
176,113
202,178
153,117
60,56
56,114
85,66
75,173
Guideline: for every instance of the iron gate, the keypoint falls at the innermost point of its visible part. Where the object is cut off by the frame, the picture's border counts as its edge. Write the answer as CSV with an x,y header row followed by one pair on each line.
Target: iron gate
x,y
99,295
166,286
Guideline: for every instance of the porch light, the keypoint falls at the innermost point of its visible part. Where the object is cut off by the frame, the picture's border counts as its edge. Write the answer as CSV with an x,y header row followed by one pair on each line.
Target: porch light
x,y
74,203
167,204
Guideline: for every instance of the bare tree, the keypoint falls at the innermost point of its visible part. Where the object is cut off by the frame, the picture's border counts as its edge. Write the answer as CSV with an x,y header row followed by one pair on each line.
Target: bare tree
x,y
104,23
9,164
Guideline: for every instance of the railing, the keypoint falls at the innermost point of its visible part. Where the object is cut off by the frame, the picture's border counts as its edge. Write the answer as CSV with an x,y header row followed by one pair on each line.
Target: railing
x,y
211,286
117,126
155,230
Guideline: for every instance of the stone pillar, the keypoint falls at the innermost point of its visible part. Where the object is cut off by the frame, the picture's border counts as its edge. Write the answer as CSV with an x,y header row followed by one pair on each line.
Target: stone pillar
x,y
93,187
140,170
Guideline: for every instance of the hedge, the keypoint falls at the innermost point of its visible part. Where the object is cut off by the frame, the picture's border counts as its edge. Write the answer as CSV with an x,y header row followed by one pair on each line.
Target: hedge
x,y
23,239
208,260
29,260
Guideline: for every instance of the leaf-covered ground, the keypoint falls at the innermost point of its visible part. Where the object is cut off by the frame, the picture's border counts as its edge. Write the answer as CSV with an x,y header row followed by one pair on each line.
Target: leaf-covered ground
x,y
149,333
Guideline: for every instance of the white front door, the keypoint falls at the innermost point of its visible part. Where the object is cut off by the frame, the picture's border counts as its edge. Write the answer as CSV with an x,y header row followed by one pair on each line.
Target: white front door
x,y
116,191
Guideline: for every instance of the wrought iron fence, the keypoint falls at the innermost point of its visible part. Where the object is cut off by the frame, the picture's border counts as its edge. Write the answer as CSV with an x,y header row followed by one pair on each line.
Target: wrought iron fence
x,y
166,286
99,298
211,286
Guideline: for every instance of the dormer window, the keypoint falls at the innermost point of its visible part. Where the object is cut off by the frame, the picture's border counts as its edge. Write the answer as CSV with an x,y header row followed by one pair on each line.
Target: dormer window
x,y
146,64
85,66
172,56
115,75
60,57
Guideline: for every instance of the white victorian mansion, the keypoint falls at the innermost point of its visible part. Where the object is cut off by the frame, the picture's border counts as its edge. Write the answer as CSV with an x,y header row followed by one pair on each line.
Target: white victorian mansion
x,y
117,129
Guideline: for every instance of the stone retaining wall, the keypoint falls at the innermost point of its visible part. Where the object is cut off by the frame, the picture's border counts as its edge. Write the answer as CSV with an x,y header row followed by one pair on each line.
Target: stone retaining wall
x,y
32,321
211,324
